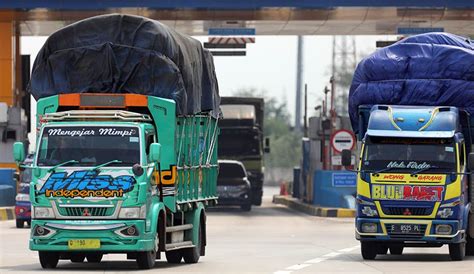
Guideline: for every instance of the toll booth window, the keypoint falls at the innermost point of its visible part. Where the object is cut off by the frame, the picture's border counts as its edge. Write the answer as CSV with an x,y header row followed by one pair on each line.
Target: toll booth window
x,y
89,145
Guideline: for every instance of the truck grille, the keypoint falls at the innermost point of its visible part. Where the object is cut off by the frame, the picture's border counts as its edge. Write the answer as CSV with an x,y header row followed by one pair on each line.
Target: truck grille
x,y
86,211
409,211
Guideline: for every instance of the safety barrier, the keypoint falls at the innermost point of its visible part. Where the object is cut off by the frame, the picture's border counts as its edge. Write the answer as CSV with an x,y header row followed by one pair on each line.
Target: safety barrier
x,y
334,188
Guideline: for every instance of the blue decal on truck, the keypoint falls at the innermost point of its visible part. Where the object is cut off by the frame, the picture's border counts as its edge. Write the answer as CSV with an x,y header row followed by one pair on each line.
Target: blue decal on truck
x,y
86,183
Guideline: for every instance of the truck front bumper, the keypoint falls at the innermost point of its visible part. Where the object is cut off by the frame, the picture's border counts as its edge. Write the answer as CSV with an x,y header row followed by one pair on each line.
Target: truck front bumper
x,y
429,235
108,232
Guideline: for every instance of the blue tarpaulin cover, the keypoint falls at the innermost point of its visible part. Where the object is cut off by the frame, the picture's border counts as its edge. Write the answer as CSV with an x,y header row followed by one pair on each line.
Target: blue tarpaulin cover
x,y
127,54
433,69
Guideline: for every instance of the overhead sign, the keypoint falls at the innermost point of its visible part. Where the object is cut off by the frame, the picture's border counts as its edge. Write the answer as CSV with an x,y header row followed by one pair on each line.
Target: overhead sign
x,y
228,53
344,179
382,44
342,139
418,30
231,40
231,31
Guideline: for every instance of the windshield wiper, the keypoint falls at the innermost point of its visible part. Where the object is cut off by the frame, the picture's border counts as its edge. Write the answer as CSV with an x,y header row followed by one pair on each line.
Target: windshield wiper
x,y
383,170
106,164
421,170
63,164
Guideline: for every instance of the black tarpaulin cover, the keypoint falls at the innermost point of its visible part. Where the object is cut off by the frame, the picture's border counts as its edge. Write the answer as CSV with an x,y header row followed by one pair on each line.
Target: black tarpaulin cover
x,y
127,54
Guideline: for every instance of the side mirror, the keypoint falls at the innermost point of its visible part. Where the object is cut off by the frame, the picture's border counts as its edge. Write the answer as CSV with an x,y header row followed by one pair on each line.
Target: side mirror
x,y
16,176
267,145
155,152
18,152
471,161
346,157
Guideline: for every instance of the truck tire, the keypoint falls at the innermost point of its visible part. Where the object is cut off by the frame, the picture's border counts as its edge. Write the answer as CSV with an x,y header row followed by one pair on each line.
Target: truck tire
x,y
368,250
246,207
469,246
192,255
94,258
174,256
396,249
48,259
382,249
257,198
457,251
77,258
146,259
20,223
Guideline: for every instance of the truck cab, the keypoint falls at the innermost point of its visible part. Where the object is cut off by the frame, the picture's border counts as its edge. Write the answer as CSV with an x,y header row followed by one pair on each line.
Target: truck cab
x,y
413,183
105,179
241,138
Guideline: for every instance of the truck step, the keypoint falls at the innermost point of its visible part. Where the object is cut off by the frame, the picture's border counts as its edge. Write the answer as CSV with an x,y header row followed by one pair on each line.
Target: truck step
x,y
179,245
179,228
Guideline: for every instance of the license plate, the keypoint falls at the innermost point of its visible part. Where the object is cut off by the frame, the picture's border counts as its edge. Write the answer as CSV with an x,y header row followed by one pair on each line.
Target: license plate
x,y
84,244
406,228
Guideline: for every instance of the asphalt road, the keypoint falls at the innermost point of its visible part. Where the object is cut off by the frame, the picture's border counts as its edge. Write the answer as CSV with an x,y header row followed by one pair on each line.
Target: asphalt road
x,y
269,239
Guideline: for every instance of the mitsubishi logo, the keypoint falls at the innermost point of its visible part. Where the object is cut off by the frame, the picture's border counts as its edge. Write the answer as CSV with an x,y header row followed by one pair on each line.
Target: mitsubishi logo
x,y
86,212
406,212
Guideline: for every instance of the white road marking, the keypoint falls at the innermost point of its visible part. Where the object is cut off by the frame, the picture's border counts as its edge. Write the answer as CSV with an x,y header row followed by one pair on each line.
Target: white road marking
x,y
317,260
332,254
297,266
349,249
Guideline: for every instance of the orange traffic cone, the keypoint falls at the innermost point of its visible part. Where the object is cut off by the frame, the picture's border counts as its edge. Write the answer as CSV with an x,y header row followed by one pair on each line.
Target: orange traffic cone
x,y
283,189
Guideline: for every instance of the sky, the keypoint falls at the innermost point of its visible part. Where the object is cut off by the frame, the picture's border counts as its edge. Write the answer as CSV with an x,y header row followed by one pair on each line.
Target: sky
x,y
269,66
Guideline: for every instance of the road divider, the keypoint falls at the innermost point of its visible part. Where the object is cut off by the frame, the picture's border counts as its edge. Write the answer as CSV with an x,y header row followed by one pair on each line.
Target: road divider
x,y
7,213
298,205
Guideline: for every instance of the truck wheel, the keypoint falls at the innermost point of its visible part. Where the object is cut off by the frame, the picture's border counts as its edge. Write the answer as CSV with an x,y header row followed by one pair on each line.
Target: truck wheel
x,y
20,223
77,258
457,251
382,249
173,256
94,258
146,259
29,223
256,199
469,246
396,250
192,255
48,259
368,250
246,207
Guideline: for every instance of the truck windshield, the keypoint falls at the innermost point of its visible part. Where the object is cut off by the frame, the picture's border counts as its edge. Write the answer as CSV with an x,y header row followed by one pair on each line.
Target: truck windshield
x,y
89,145
431,155
243,142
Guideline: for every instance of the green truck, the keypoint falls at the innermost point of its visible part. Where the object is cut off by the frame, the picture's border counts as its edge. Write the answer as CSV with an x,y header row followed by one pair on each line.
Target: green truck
x,y
242,138
116,171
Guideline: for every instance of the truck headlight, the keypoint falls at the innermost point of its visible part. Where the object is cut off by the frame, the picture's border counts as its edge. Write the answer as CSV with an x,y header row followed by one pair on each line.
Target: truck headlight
x,y
40,212
22,197
369,227
443,229
368,211
445,213
133,212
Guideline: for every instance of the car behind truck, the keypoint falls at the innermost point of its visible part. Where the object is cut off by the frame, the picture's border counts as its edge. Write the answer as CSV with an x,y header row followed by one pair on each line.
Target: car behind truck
x,y
116,171
414,183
